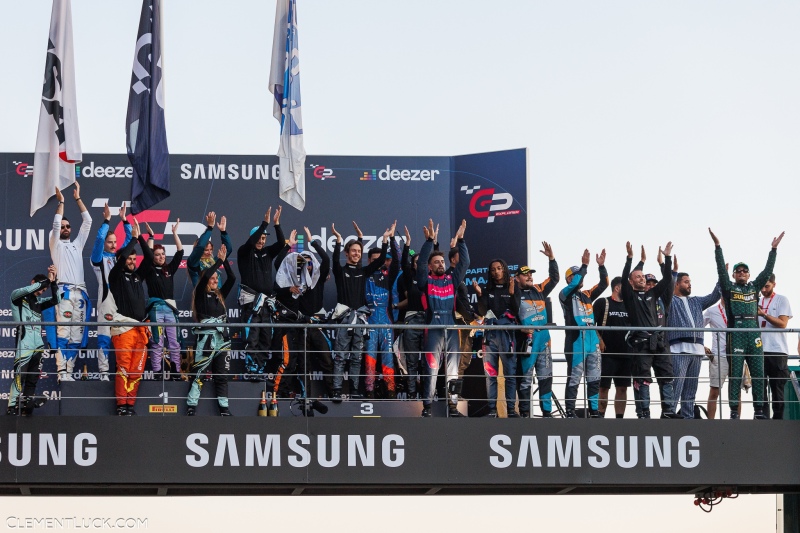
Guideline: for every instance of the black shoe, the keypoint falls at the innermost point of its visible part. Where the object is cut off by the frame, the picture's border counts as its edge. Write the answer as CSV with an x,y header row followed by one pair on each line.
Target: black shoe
x,y
667,414
426,412
175,376
12,410
190,411
368,395
547,414
390,395
129,411
512,414
453,412
122,410
492,413
644,414
758,414
525,414
734,415
337,396
224,411
594,413
571,413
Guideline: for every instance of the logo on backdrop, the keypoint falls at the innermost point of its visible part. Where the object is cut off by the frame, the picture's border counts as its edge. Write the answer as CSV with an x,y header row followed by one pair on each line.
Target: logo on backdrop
x,y
322,173
486,203
23,169
393,174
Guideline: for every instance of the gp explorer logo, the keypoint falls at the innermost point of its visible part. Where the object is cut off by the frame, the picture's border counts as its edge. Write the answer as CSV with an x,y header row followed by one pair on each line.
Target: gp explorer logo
x,y
393,174
322,173
488,204
23,169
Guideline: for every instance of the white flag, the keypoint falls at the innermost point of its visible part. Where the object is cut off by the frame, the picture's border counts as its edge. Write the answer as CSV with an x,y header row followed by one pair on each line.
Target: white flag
x,y
58,143
284,84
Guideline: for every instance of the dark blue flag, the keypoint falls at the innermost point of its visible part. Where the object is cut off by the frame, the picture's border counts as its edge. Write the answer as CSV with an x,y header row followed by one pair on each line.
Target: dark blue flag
x,y
145,132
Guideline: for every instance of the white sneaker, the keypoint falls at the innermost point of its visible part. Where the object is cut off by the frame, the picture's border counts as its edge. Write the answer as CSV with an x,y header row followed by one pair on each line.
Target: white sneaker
x,y
64,376
103,376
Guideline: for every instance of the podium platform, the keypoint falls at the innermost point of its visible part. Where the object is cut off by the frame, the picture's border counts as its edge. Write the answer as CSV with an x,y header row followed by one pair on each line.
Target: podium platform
x,y
168,398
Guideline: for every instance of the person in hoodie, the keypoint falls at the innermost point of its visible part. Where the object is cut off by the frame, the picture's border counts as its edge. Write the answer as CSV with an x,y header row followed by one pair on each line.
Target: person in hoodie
x,y
103,259
161,306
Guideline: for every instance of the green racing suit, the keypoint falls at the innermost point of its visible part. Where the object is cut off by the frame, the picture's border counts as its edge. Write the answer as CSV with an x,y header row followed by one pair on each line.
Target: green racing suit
x,y
741,306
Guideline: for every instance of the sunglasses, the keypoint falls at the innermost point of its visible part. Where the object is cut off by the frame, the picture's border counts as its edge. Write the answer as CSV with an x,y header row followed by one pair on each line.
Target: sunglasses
x,y
66,226
741,271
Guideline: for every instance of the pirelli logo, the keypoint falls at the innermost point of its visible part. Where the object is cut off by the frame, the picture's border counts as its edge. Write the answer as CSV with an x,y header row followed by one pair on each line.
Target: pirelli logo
x,y
165,409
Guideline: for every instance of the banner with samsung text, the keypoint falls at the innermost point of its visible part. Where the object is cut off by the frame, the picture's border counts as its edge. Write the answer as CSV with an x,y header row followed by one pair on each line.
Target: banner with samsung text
x,y
315,452
488,190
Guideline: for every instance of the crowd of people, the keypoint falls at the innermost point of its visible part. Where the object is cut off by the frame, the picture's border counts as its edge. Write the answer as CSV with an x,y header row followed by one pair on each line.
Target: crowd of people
x,y
426,291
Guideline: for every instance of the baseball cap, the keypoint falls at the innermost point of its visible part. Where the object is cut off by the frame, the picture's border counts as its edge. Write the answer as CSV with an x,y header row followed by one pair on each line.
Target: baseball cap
x,y
256,229
525,270
737,265
571,271
650,277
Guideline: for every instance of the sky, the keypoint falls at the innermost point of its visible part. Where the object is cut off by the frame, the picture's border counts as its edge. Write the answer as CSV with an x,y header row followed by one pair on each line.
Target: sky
x,y
644,121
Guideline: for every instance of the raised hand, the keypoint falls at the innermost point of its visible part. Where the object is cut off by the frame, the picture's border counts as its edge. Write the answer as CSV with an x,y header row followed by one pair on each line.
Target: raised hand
x,y
713,237
511,285
175,226
268,215
277,218
429,230
52,272
149,229
76,192
408,236
548,250
660,257
123,209
106,212
59,196
668,248
394,228
601,258
461,229
777,240
585,258
223,223
387,234
477,287
644,255
436,234
222,252
308,235
629,249
338,235
135,230
211,218
293,238
359,233
674,263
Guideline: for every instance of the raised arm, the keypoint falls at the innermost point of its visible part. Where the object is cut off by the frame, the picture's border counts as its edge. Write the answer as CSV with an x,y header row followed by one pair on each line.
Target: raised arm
x,y
100,240
763,277
460,272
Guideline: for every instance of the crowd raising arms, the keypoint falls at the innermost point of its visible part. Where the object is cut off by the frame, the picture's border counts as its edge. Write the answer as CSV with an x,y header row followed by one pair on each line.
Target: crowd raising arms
x,y
365,296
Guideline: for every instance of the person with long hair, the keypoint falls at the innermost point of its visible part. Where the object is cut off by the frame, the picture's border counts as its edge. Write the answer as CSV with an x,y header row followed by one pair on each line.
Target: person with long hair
x,y
213,341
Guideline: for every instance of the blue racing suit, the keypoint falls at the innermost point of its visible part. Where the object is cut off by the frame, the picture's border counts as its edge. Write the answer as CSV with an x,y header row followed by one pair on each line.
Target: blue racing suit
x,y
439,300
379,343
582,347
534,348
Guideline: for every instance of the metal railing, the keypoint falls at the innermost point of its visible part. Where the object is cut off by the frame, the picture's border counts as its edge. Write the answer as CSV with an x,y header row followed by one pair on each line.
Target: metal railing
x,y
304,384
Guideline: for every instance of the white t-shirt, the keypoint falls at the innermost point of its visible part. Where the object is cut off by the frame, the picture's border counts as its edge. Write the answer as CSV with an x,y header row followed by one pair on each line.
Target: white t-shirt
x,y
776,305
715,317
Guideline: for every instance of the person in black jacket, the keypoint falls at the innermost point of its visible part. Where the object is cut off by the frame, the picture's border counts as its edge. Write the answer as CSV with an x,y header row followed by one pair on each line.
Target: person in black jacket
x,y
257,288
212,340
126,284
498,306
161,306
649,347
